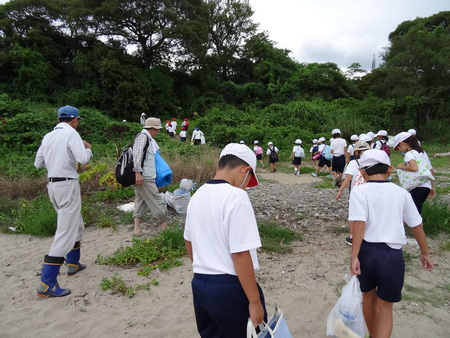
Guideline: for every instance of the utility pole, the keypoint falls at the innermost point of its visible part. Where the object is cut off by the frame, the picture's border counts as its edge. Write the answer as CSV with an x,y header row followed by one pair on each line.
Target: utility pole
x,y
373,62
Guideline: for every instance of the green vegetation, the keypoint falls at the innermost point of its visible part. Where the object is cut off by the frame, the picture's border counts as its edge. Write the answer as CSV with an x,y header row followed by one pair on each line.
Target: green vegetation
x,y
275,238
436,217
118,286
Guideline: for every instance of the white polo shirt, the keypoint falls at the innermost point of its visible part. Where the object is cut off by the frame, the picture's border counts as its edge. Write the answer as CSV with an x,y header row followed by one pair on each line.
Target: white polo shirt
x,y
220,221
60,151
338,146
384,206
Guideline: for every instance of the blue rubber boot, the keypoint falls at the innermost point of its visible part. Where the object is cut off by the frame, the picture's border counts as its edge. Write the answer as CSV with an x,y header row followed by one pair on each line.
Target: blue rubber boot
x,y
73,260
48,286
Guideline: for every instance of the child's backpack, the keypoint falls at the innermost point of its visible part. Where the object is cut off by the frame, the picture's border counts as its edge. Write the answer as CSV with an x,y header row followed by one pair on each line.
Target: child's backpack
x,y
327,153
124,166
273,154
299,152
315,149
385,148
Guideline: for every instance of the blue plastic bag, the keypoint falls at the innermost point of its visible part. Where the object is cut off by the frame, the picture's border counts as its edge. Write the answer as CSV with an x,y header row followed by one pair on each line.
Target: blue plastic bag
x,y
163,171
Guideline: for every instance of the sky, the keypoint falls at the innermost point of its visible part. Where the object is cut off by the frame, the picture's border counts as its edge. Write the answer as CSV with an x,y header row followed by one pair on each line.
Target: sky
x,y
339,31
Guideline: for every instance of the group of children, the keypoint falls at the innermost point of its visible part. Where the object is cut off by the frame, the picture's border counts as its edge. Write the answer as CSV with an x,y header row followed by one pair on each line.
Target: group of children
x,y
221,232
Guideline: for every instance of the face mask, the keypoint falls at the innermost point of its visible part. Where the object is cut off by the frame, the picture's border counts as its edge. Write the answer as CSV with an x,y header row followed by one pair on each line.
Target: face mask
x,y
246,175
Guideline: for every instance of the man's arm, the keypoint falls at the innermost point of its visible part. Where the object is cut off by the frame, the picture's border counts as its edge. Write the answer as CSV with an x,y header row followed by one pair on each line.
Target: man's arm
x,y
425,258
244,269
358,235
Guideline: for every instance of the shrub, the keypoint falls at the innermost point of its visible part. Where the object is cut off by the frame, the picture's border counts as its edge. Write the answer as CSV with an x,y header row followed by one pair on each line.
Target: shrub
x,y
436,217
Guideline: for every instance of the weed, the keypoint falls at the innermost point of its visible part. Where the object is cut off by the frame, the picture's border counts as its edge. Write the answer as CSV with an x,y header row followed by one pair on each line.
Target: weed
x,y
325,184
161,252
117,285
443,190
407,257
445,246
275,238
436,217
339,230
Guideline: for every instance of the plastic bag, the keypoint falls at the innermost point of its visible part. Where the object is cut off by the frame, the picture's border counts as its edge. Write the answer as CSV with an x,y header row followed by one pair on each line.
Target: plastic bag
x,y
346,318
276,327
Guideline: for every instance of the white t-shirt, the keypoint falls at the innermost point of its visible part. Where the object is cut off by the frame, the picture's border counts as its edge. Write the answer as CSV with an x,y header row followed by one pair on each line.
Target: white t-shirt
x,y
338,145
412,155
220,221
300,151
352,169
384,206
351,149
183,133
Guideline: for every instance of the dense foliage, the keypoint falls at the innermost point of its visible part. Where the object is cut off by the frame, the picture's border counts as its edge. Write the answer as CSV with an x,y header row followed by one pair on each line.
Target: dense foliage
x,y
206,59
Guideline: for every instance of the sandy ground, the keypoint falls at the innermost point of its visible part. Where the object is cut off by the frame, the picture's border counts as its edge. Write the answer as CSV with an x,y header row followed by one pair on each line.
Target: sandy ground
x,y
305,283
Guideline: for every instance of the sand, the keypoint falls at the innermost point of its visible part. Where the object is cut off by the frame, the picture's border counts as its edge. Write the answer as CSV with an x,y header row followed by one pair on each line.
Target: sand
x,y
305,283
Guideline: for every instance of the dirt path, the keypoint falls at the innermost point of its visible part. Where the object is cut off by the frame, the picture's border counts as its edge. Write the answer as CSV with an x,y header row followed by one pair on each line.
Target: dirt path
x,y
284,178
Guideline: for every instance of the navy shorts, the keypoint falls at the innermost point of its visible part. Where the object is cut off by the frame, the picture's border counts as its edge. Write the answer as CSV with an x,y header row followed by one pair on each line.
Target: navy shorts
x,y
297,160
382,268
221,306
419,195
323,161
259,157
338,164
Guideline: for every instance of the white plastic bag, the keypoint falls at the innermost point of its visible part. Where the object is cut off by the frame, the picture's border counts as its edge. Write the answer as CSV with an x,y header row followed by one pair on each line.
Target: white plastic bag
x,y
179,200
276,327
346,318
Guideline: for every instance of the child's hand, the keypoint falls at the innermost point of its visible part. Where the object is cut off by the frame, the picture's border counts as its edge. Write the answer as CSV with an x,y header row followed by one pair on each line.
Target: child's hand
x,y
256,313
426,262
355,268
338,195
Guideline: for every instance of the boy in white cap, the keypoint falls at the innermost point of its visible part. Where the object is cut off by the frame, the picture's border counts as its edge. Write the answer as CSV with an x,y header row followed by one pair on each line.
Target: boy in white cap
x,y
379,209
338,149
350,154
381,142
272,154
221,236
297,154
313,150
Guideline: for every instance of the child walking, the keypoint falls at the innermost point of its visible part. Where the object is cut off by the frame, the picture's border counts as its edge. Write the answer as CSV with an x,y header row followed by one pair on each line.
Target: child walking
x,y
379,209
297,154
221,237
258,152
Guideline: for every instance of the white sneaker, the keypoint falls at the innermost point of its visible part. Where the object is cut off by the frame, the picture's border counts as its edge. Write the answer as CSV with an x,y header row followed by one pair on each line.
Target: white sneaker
x,y
314,174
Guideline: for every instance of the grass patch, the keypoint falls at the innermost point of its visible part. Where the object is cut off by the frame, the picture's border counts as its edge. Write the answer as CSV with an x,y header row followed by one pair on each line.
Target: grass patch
x,y
276,238
442,190
118,286
436,217
444,246
420,295
161,252
327,183
340,230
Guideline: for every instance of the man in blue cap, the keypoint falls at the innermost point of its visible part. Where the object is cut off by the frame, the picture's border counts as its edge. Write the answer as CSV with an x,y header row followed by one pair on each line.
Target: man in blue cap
x,y
60,151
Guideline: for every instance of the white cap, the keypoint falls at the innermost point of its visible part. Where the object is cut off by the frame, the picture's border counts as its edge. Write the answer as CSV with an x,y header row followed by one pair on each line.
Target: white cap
x,y
371,134
361,136
298,141
354,138
382,133
335,131
315,141
244,153
269,144
372,157
242,142
321,139
365,138
400,137
255,142
412,131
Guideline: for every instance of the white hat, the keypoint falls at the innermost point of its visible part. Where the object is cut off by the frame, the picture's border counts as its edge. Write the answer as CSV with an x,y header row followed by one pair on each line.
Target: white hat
x,y
372,157
412,131
354,138
366,138
321,139
153,122
298,141
270,143
361,136
255,142
242,142
382,133
361,145
335,131
400,137
244,153
371,134
315,141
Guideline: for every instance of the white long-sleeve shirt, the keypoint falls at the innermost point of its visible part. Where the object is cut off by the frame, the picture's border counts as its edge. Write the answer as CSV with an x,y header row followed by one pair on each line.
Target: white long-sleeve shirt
x,y
60,151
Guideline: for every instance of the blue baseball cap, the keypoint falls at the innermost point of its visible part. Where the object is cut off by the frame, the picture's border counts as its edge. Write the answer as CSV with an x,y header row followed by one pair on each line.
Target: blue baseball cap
x,y
69,111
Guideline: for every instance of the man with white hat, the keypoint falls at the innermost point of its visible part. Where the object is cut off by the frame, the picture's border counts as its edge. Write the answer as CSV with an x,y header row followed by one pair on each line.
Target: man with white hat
x,y
59,153
147,193
221,236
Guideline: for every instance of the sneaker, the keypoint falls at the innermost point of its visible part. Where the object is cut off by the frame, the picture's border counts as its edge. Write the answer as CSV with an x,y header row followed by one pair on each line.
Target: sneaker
x,y
349,240
314,174
330,175
295,173
298,173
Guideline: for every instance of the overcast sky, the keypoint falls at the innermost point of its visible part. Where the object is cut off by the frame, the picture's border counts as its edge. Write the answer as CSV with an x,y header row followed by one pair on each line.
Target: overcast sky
x,y
339,31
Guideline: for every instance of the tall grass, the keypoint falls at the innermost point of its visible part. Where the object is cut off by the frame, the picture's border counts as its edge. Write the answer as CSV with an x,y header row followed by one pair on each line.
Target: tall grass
x,y
436,217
